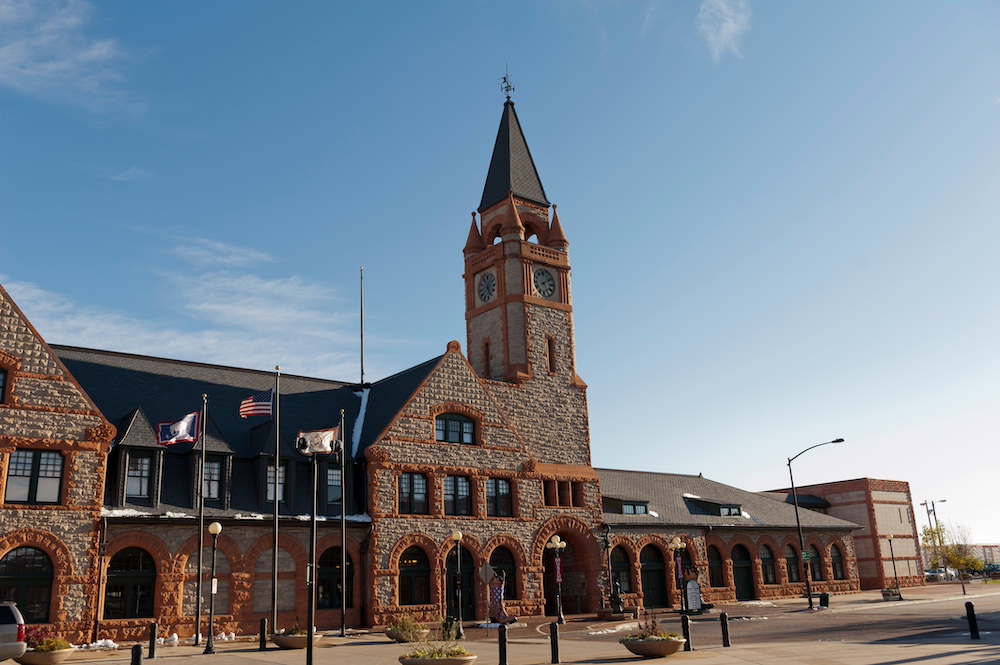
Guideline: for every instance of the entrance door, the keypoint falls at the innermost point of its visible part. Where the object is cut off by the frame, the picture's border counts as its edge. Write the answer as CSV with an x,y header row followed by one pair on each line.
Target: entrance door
x,y
468,585
743,573
654,577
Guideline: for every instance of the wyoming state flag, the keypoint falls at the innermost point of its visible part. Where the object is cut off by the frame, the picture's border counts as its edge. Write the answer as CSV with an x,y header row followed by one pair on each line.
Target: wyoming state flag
x,y
184,430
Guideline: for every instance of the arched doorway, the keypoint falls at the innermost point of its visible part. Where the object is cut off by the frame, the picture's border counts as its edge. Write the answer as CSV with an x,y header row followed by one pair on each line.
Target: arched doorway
x,y
128,593
26,578
468,584
653,572
743,573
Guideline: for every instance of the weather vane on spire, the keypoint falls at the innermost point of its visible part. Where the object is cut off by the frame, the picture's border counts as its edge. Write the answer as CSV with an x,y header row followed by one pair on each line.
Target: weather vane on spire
x,y
505,85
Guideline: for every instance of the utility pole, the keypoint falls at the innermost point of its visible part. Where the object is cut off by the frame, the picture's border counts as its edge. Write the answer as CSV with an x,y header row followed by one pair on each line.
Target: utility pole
x,y
931,511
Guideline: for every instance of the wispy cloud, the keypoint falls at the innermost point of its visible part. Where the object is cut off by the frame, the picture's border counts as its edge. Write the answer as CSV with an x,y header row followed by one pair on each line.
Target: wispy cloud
x,y
647,20
47,53
131,173
205,253
722,23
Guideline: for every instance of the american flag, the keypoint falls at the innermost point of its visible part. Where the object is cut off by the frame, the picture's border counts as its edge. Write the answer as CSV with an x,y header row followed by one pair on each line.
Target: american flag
x,y
257,405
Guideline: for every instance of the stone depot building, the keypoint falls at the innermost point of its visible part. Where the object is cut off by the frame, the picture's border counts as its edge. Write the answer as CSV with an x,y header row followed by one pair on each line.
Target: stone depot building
x,y
99,523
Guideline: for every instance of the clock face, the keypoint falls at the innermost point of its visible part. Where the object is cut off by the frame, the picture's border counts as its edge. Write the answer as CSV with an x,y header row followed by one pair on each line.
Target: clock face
x,y
487,286
544,283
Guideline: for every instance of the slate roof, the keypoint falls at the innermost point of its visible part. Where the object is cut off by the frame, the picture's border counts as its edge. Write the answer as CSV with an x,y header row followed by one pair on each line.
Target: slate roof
x,y
511,168
679,500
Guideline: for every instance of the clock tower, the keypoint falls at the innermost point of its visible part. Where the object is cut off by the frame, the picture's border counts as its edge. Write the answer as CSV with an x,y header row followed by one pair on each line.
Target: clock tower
x,y
518,311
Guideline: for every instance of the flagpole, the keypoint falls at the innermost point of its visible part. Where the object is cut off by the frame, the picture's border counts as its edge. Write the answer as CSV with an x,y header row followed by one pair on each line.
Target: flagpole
x,y
343,528
201,520
277,471
362,283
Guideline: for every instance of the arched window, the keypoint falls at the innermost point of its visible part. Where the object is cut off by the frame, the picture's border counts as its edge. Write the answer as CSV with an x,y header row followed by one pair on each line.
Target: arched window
x,y
414,577
837,561
767,568
714,566
792,564
815,564
131,580
329,580
503,560
621,569
26,578
453,428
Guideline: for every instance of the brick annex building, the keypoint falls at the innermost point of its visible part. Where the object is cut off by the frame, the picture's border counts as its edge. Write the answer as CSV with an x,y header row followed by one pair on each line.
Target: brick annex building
x,y
99,536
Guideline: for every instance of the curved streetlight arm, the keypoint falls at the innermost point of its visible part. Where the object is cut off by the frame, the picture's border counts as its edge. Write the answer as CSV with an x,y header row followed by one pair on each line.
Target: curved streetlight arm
x,y
825,443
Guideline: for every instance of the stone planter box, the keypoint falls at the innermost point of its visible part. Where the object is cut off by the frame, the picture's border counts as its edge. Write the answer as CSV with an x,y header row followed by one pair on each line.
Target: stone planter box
x,y
293,641
653,648
454,660
45,657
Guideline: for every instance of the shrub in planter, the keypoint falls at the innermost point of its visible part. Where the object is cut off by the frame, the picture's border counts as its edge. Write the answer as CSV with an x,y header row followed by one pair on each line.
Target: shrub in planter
x,y
406,629
651,642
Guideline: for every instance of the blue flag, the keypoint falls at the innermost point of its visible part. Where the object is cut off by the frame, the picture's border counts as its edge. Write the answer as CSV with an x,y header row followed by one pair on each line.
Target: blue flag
x,y
184,430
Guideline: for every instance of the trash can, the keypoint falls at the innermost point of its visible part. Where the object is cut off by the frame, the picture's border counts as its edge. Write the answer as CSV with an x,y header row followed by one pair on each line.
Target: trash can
x,y
824,600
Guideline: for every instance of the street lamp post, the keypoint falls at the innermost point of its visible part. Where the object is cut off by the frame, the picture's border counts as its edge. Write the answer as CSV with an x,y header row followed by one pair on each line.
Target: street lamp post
x,y
676,546
803,555
616,601
456,535
894,574
557,545
215,529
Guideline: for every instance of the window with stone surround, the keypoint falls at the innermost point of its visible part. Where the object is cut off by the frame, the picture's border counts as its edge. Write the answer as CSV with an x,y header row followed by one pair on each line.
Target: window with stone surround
x,y
414,577
621,570
837,562
131,580
792,564
499,498
413,494
715,567
26,578
3,386
815,564
455,428
767,565
34,477
457,495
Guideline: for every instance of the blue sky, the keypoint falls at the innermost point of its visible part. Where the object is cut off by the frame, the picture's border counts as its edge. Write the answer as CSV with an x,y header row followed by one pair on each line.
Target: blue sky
x,y
782,216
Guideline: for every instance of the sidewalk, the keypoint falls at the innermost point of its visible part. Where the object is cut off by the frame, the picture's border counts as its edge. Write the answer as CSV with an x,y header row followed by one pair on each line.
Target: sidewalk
x,y
528,644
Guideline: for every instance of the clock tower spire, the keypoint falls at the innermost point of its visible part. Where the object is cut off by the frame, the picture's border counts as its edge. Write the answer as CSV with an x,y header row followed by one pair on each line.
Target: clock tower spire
x,y
518,311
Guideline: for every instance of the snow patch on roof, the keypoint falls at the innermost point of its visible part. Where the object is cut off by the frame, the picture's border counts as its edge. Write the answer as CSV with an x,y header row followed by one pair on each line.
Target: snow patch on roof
x,y
653,513
123,512
688,495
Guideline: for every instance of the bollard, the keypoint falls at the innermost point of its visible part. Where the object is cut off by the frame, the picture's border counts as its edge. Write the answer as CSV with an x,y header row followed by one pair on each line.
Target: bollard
x,y
554,638
153,631
686,629
137,654
970,613
263,634
502,641
724,621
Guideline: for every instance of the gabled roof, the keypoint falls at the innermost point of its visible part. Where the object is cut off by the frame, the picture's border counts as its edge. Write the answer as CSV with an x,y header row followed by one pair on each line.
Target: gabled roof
x,y
127,387
511,169
679,500
386,398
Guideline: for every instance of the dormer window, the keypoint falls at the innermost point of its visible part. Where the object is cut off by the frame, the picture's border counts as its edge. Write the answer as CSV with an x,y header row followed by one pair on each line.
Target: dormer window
x,y
453,428
634,508
730,511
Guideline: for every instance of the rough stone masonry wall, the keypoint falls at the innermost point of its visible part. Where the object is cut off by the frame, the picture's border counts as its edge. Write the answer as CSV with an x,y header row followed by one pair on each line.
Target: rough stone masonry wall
x,y
45,409
410,446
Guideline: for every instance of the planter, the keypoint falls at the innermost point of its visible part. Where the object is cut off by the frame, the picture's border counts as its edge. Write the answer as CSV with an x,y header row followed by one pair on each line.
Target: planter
x,y
653,648
45,657
891,595
417,635
454,660
293,641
